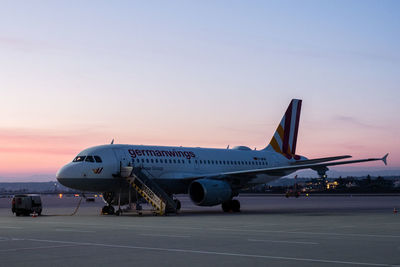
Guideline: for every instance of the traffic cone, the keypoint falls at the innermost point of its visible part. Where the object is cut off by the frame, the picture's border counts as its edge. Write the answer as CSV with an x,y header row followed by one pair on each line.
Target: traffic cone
x,y
394,210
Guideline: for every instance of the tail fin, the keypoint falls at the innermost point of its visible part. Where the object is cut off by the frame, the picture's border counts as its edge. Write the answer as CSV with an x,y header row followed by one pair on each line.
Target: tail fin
x,y
285,138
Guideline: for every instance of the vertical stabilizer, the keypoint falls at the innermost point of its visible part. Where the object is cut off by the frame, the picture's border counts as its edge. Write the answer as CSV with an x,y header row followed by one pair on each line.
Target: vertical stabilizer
x,y
284,140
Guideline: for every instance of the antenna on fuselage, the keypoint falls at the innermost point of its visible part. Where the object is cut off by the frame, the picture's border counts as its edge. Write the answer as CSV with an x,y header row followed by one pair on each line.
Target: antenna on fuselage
x,y
227,147
112,141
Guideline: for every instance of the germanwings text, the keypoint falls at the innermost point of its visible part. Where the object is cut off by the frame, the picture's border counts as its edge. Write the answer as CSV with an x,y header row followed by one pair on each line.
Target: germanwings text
x,y
160,153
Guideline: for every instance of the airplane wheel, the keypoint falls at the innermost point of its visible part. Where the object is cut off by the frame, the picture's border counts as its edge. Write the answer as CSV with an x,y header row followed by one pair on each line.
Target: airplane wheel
x,y
235,205
118,212
104,210
111,210
178,204
108,210
226,206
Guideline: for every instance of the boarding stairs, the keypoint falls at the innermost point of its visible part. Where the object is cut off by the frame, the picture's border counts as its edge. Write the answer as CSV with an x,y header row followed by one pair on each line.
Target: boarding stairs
x,y
141,181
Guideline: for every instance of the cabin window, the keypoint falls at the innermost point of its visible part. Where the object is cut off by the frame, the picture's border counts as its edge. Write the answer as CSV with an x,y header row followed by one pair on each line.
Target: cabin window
x,y
152,161
156,160
170,161
212,162
174,160
97,159
147,160
223,162
161,160
179,161
189,161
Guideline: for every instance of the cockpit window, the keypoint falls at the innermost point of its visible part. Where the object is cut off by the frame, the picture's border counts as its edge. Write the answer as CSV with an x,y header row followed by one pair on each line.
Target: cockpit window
x,y
89,159
79,158
98,159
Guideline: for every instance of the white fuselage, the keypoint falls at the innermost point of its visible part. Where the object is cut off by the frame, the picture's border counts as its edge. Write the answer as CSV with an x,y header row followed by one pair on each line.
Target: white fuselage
x,y
170,166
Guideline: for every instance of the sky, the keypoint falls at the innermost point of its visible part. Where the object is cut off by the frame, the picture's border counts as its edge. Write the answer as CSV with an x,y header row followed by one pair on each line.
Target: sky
x,y
75,74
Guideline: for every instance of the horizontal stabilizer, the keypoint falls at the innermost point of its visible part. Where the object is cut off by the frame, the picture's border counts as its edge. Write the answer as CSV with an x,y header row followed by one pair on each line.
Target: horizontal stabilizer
x,y
384,159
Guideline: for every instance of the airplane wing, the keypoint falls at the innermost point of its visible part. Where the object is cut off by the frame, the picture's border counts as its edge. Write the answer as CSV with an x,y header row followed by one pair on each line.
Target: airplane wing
x,y
319,160
281,169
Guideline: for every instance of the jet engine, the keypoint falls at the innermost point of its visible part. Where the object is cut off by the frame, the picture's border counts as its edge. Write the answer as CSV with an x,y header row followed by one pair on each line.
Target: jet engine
x,y
208,192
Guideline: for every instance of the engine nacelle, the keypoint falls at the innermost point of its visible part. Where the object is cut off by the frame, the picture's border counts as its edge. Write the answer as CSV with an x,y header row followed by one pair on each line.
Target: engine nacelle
x,y
208,192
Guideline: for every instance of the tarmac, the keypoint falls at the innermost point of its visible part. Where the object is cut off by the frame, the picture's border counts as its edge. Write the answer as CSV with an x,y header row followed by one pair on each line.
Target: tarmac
x,y
269,231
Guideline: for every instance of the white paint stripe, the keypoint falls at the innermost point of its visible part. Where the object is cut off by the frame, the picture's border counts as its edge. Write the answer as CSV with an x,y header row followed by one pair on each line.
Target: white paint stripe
x,y
72,230
283,241
10,227
214,253
305,233
34,248
182,236
228,229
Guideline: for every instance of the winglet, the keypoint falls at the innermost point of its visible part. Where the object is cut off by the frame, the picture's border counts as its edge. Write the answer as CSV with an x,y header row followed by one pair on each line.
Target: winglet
x,y
384,159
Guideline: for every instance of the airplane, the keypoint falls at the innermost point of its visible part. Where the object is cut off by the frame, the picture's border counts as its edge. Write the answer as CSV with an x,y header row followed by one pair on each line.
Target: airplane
x,y
211,176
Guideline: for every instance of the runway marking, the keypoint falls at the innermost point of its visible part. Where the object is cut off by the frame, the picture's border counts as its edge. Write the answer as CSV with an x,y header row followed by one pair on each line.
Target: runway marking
x,y
10,227
305,233
72,230
157,235
34,248
214,253
283,241
227,229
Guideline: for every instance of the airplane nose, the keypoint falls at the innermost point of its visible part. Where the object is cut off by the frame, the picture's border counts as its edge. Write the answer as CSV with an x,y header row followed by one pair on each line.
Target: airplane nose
x,y
61,173
65,174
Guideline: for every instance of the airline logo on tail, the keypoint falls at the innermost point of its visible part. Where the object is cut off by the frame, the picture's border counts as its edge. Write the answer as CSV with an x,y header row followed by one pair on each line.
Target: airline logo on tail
x,y
285,138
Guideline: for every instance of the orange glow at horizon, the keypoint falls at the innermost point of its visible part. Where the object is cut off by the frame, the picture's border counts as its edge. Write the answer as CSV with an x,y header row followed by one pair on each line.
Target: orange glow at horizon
x,y
40,153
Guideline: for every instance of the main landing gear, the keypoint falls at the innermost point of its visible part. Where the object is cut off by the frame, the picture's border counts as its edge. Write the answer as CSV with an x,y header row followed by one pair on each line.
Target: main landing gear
x,y
232,205
108,210
178,204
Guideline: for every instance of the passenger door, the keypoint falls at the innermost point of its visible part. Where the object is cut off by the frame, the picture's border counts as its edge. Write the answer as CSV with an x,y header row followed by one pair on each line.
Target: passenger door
x,y
122,157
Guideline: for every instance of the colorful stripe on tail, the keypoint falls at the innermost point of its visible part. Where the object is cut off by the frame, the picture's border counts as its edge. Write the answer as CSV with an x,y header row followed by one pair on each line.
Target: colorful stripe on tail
x,y
284,140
